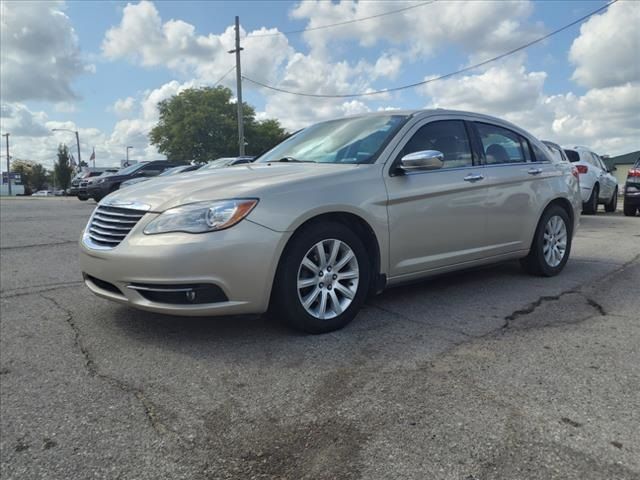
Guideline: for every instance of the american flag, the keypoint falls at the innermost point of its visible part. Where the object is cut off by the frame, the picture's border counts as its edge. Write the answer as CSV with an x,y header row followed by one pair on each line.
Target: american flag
x,y
93,155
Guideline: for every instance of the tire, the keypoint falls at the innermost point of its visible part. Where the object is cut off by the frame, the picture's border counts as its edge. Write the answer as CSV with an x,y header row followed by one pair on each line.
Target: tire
x,y
83,198
591,206
612,205
537,262
339,310
629,210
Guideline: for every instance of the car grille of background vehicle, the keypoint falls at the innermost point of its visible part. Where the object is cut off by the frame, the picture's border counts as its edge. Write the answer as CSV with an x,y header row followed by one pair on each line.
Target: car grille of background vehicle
x,y
110,225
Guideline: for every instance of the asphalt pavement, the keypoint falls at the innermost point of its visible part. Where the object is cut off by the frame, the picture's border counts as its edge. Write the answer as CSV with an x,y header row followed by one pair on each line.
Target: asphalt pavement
x,y
485,374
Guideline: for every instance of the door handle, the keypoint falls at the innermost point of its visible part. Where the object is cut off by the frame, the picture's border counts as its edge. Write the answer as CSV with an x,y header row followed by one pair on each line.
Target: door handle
x,y
473,178
534,171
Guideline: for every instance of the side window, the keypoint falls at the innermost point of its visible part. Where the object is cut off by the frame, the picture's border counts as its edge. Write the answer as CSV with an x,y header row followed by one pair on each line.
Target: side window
x,y
501,145
446,136
599,162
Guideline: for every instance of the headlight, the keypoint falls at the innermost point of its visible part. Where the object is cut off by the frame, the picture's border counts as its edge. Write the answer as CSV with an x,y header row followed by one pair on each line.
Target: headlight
x,y
202,216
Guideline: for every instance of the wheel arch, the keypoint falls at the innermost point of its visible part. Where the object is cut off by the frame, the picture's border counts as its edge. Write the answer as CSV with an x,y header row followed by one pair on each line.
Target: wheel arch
x,y
358,225
563,203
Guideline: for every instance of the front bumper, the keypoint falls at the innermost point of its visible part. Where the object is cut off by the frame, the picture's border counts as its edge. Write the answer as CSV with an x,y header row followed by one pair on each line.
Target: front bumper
x,y
241,261
97,190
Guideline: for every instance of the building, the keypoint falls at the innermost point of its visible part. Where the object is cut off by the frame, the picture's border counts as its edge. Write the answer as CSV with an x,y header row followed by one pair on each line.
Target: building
x,y
622,163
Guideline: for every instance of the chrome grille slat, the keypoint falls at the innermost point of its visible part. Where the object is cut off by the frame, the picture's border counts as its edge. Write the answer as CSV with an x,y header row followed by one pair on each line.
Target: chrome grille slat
x,y
99,231
104,225
110,225
114,220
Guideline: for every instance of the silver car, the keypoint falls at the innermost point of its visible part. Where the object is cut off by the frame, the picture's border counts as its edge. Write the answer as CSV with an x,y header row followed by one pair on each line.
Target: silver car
x,y
335,213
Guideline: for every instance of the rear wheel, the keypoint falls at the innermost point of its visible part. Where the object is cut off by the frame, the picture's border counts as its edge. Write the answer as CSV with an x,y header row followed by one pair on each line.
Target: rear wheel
x,y
323,279
84,198
612,205
551,244
629,210
591,207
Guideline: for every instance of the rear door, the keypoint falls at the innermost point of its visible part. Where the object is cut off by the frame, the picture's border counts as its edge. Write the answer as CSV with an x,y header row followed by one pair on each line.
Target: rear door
x,y
516,176
436,217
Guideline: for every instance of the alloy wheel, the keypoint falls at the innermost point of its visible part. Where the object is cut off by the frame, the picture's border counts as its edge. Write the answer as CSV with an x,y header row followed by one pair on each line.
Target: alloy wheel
x,y
555,241
328,279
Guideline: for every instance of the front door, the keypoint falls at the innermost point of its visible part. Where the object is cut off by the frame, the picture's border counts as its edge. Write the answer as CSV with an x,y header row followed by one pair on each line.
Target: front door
x,y
436,217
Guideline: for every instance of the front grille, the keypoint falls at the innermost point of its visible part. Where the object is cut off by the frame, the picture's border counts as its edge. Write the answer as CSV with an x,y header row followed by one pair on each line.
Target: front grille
x,y
110,225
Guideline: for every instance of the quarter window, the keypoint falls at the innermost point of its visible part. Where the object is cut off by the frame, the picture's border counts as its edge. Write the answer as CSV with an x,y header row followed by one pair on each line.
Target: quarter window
x,y
501,145
446,136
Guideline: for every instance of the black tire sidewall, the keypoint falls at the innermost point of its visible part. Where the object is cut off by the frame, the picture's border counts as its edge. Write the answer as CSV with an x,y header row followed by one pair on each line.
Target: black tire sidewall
x,y
287,301
543,267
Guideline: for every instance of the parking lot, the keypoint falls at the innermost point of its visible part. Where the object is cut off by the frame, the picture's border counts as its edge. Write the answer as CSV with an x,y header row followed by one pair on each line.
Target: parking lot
x,y
488,374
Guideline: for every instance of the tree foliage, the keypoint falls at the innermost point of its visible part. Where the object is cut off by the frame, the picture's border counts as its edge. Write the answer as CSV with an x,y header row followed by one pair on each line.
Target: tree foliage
x,y
201,124
33,175
62,168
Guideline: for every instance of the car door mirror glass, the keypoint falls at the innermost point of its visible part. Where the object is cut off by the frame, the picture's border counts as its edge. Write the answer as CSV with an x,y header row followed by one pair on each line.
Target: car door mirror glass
x,y
423,160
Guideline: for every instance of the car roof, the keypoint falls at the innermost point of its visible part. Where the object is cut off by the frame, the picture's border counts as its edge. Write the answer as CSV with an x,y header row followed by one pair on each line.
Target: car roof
x,y
425,113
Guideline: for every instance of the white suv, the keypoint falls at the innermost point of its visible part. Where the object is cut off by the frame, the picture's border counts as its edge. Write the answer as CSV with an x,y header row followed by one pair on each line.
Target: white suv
x,y
597,185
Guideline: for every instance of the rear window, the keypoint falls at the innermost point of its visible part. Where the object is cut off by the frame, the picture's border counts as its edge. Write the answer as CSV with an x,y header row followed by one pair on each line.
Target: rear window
x,y
572,155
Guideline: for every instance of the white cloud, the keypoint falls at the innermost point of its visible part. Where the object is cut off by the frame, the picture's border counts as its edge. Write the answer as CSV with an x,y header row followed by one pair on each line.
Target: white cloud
x,y
606,53
482,27
605,119
500,89
18,120
40,53
123,106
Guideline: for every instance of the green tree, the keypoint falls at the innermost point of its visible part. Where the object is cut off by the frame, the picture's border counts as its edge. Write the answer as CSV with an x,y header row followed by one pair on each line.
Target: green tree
x,y
62,168
201,124
33,175
39,176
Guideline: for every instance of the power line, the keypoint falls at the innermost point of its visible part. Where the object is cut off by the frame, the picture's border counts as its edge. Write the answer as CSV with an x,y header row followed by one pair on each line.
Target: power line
x,y
441,77
355,20
224,76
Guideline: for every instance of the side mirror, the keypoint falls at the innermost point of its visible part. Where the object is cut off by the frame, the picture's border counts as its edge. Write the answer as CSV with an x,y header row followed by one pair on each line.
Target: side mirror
x,y
422,160
613,169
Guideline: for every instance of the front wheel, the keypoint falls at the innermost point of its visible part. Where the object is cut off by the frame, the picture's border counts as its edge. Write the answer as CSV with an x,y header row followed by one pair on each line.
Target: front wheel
x,y
551,244
612,205
323,278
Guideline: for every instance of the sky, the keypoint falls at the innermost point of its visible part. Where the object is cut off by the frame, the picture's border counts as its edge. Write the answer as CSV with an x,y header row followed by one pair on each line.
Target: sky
x,y
102,67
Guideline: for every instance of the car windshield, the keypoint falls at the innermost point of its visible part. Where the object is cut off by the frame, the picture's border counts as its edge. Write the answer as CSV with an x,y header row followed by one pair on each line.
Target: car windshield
x,y
130,169
171,171
346,140
219,163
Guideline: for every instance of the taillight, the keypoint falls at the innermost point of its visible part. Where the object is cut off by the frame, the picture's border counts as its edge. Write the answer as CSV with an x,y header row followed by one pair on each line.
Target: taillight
x,y
634,172
582,168
574,172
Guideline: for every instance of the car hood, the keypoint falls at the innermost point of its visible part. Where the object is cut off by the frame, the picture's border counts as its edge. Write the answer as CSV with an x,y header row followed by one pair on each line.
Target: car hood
x,y
239,181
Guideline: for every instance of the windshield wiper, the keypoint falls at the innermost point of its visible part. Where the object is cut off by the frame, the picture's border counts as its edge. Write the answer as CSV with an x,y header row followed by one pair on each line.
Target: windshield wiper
x,y
294,160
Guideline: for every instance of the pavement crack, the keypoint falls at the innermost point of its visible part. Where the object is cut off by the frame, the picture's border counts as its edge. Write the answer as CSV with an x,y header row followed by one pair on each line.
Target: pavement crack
x,y
149,408
38,289
36,245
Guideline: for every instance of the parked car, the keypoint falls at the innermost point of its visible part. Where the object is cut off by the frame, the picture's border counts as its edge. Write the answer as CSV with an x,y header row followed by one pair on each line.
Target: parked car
x,y
338,211
632,191
166,173
81,189
556,150
597,184
107,185
42,193
83,176
227,162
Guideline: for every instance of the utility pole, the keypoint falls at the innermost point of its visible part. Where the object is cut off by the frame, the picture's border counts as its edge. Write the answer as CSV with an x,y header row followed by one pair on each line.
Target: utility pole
x,y
128,148
78,144
239,88
6,135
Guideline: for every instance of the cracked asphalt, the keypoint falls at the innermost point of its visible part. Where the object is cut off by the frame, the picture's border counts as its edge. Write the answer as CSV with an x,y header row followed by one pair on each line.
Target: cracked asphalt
x,y
486,374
